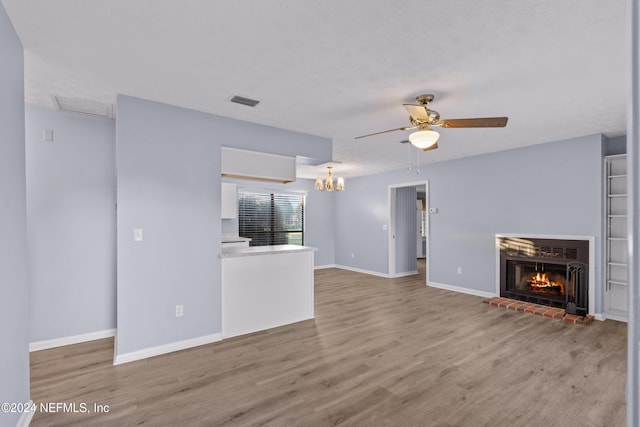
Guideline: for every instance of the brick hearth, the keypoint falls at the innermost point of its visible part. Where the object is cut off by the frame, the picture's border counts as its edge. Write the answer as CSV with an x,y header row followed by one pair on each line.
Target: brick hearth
x,y
540,310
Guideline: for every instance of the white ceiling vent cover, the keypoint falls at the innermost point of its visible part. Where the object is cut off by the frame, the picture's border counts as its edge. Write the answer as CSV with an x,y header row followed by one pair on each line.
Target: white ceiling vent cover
x,y
84,106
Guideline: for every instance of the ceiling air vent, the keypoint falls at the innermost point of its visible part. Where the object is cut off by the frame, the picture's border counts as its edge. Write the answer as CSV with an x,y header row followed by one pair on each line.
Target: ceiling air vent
x,y
84,106
244,101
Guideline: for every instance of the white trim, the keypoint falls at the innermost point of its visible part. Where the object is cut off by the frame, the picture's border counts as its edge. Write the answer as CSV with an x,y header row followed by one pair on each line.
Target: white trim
x,y
370,272
75,339
633,210
405,274
391,244
461,290
360,270
611,316
25,418
165,348
600,316
321,267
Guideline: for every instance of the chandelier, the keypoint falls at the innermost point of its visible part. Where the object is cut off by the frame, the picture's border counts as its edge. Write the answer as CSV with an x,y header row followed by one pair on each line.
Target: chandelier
x,y
328,184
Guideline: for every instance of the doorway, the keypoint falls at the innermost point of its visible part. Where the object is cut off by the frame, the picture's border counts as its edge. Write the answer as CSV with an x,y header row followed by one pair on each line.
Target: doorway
x,y
409,229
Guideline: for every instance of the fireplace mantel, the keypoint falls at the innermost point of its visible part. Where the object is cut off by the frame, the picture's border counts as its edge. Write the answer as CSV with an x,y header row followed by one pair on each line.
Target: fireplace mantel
x,y
591,272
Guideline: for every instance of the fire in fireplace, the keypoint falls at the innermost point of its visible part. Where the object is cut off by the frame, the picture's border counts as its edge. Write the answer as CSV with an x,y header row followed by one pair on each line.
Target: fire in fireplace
x,y
543,271
537,278
540,284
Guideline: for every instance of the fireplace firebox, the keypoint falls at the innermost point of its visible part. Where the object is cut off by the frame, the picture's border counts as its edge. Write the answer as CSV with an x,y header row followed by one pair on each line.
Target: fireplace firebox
x,y
551,272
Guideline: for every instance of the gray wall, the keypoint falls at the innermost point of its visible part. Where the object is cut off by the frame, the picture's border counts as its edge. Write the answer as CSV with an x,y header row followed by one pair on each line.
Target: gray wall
x,y
477,197
319,213
168,165
71,226
406,229
14,316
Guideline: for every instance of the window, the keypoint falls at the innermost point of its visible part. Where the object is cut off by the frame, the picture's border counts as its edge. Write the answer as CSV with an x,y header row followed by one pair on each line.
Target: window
x,y
271,218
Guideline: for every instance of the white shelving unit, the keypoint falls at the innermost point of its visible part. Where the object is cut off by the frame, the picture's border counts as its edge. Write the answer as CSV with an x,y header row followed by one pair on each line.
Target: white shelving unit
x,y
616,249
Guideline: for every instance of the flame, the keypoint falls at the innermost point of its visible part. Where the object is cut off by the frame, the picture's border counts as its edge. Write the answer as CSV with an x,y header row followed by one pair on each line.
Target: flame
x,y
542,281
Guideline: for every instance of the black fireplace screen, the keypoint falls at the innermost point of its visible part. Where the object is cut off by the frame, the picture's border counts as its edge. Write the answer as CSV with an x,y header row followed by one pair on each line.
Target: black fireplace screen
x,y
537,278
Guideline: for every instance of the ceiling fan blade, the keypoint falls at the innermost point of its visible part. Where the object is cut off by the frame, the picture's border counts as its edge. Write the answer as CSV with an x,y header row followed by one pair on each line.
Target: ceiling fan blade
x,y
485,122
385,131
433,147
417,111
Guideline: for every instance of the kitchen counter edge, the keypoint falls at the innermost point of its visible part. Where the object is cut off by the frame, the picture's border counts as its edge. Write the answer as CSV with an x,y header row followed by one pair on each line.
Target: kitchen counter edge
x,y
232,252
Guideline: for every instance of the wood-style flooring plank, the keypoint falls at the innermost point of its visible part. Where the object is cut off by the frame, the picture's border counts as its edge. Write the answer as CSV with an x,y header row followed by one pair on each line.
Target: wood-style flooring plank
x,y
380,352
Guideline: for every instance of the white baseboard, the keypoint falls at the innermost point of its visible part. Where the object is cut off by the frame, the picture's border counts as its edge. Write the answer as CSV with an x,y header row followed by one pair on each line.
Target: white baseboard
x,y
360,270
25,418
405,274
75,339
462,290
370,272
165,348
321,267
603,316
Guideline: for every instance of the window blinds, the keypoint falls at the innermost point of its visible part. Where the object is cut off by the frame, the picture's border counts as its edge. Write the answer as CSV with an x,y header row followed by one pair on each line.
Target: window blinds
x,y
271,218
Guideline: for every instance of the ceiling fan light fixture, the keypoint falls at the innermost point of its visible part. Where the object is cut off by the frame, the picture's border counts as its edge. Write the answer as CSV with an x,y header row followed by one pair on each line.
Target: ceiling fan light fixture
x,y
424,138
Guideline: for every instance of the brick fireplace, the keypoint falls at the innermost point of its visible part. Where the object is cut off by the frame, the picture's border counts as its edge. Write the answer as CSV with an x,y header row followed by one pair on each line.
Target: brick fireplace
x,y
548,270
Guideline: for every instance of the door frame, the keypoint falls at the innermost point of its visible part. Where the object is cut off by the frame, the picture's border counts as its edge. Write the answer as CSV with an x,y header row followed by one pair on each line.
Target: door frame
x,y
391,229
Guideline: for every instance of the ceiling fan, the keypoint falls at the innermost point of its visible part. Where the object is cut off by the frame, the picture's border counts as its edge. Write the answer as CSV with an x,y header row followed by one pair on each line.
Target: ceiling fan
x,y
422,118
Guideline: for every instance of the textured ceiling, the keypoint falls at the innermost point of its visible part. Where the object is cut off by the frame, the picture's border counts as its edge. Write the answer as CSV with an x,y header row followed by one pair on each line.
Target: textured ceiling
x,y
340,69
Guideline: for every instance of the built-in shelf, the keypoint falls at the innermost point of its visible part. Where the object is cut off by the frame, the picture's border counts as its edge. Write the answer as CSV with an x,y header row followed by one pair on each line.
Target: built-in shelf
x,y
617,282
616,289
618,264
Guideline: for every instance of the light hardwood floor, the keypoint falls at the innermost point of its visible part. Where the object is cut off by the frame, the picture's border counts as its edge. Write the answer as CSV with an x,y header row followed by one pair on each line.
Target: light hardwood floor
x,y
380,352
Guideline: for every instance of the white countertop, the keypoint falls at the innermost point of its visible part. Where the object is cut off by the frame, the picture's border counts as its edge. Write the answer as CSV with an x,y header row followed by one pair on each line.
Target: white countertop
x,y
227,237
264,250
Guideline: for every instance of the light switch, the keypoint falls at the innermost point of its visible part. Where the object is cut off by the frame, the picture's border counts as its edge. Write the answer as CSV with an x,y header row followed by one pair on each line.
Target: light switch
x,y
47,135
137,234
433,210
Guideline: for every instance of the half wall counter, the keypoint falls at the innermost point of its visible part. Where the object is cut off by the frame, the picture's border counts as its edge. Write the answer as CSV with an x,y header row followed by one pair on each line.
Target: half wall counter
x,y
265,286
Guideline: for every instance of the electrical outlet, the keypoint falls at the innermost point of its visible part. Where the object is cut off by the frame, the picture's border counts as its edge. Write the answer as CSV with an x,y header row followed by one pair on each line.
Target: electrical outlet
x,y
353,255
179,310
459,270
